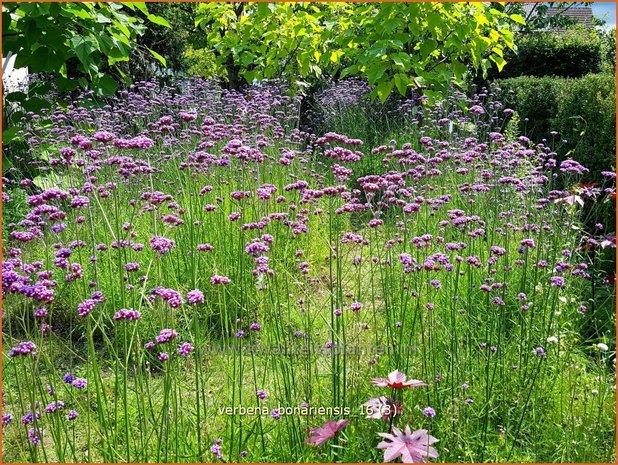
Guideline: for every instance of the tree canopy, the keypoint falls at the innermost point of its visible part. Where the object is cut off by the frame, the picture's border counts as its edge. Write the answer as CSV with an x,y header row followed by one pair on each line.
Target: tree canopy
x,y
394,45
77,44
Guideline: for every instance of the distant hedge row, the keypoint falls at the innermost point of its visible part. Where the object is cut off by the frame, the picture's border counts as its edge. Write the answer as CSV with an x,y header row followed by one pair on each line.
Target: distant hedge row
x,y
573,53
581,110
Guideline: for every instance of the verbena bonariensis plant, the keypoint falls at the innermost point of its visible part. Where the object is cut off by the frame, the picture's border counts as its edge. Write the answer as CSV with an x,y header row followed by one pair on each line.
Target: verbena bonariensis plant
x,y
205,282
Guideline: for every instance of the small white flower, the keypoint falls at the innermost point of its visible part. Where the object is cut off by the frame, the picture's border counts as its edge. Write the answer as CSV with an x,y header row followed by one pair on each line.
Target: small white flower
x,y
602,347
594,392
552,339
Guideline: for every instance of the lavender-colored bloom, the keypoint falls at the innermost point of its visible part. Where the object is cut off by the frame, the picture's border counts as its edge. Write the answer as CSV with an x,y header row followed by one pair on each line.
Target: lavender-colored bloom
x,y
216,279
261,394
86,307
171,296
7,418
255,326
528,243
28,418
573,167
52,407
498,301
185,349
429,412
162,245
79,202
41,313
23,349
163,356
195,297
166,335
80,383
132,267
216,449
35,435
72,415
127,314
557,281
68,378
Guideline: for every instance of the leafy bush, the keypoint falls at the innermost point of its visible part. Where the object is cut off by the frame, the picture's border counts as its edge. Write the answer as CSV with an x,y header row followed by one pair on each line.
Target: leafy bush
x,y
535,101
609,50
573,53
587,107
582,111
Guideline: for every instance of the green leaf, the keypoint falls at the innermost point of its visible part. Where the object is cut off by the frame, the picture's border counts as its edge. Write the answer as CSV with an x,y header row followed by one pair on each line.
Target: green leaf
x,y
419,81
40,88
158,57
35,104
402,60
401,82
80,13
102,19
65,84
376,71
9,134
43,60
384,89
518,19
141,6
6,164
498,60
336,55
159,20
51,180
105,86
83,47
16,97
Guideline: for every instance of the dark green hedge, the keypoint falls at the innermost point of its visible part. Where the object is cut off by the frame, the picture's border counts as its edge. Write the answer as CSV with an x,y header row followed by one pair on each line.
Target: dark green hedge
x,y
572,53
582,110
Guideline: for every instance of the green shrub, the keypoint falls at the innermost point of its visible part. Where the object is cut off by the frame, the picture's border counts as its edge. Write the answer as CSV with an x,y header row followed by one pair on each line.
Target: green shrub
x,y
582,110
608,50
573,53
586,118
535,101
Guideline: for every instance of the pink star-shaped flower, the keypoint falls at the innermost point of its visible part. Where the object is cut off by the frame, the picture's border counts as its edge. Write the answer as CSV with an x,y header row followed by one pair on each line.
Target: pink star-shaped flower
x,y
412,447
319,436
397,380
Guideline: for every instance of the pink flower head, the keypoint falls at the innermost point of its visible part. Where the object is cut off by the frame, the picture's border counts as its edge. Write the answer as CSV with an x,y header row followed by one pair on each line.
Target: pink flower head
x,y
216,279
412,447
319,436
378,408
397,380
